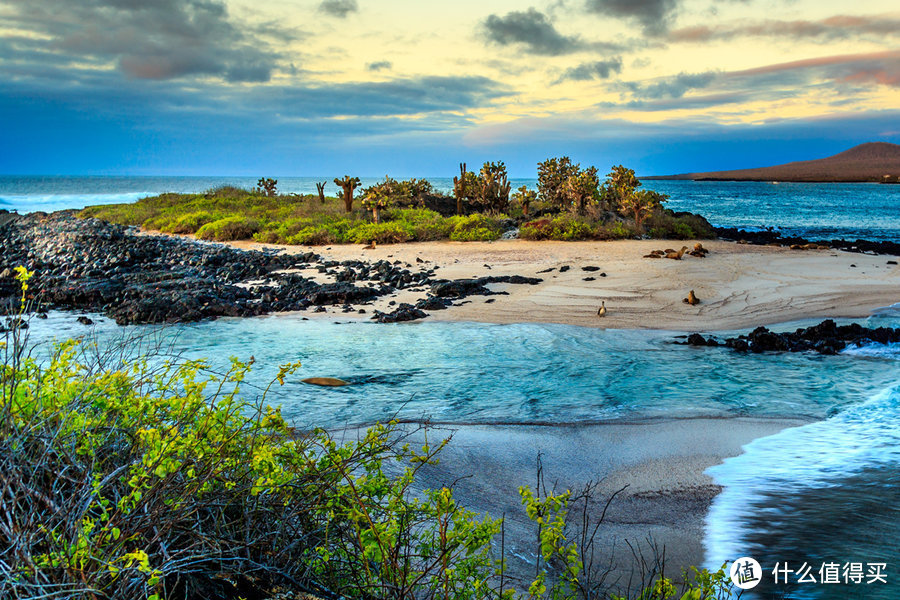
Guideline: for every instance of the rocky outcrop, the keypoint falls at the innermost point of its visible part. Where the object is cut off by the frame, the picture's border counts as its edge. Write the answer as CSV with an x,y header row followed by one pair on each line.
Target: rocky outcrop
x,y
825,338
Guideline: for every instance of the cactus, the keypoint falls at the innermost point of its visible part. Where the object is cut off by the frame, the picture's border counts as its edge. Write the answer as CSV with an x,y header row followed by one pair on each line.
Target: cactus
x,y
321,188
461,187
347,185
267,186
493,187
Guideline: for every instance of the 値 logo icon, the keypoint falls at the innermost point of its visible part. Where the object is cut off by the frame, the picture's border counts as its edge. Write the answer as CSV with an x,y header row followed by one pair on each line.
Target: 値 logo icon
x,y
746,573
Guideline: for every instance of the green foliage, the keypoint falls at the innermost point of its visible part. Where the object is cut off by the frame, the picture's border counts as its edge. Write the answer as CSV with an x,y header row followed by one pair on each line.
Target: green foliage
x,y
492,187
621,183
564,227
641,204
666,224
383,233
524,198
229,228
476,228
190,222
553,174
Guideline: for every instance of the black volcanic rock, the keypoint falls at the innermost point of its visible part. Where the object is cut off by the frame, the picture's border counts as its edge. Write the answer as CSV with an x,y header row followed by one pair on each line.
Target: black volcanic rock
x,y
825,338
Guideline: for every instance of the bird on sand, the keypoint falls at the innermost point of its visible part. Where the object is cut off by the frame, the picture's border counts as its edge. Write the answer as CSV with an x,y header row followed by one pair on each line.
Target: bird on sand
x,y
601,312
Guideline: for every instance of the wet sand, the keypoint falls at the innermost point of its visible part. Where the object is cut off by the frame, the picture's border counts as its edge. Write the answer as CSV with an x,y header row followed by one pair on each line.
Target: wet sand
x,y
662,463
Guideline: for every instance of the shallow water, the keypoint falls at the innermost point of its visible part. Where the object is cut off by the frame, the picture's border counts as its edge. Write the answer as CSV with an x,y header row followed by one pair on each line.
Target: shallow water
x,y
523,373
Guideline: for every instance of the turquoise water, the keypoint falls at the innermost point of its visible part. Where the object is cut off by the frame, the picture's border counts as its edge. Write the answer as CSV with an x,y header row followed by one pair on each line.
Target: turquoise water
x,y
819,211
523,373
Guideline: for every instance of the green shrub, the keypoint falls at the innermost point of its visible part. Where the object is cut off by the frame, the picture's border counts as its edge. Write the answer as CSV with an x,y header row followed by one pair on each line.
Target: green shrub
x,y
191,222
475,228
565,227
667,224
229,228
312,236
384,233
618,231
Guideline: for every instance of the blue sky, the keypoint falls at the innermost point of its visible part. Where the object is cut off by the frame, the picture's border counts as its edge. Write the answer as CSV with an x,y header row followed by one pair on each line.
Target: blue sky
x,y
281,87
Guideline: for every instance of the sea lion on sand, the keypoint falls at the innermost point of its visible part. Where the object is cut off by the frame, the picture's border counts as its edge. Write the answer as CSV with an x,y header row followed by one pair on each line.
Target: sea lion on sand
x,y
691,299
676,255
371,246
325,381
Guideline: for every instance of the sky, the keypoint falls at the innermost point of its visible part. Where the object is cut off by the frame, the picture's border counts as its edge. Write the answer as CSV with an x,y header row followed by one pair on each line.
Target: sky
x,y
414,87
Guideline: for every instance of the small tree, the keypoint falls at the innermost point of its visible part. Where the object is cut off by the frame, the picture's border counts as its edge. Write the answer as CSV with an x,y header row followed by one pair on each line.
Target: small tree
x,y
620,184
492,188
464,187
321,189
641,204
380,195
582,188
347,185
524,197
553,174
267,186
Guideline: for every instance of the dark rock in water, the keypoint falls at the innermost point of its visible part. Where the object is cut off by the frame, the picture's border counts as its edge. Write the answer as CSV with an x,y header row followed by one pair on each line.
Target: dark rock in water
x,y
772,237
825,338
85,320
404,312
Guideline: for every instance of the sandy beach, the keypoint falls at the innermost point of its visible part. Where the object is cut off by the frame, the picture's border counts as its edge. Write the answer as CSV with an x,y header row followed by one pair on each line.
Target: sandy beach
x,y
738,285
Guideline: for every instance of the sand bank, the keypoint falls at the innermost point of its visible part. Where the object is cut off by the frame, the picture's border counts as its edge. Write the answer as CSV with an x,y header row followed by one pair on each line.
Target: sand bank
x,y
660,461
738,285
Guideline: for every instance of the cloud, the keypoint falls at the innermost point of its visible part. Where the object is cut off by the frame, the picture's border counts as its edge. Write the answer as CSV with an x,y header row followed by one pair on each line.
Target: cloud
x,y
380,65
149,39
531,29
601,69
832,28
654,16
671,87
339,8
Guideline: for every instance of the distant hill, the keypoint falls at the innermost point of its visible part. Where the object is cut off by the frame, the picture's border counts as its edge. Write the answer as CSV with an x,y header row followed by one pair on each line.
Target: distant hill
x,y
866,162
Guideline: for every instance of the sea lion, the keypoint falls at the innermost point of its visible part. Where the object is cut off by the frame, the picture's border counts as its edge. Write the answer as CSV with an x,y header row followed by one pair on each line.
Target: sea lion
x,y
691,299
699,251
601,312
371,246
676,255
325,381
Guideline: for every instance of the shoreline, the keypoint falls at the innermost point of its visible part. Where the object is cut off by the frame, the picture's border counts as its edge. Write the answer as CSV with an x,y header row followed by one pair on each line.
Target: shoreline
x,y
668,493
739,285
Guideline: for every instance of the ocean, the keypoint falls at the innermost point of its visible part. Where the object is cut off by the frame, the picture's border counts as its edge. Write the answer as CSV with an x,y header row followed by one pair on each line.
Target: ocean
x,y
826,492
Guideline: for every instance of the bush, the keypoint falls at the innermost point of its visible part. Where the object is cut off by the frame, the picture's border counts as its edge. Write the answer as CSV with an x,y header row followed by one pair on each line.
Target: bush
x,y
383,233
618,231
190,222
229,228
563,227
667,224
475,228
